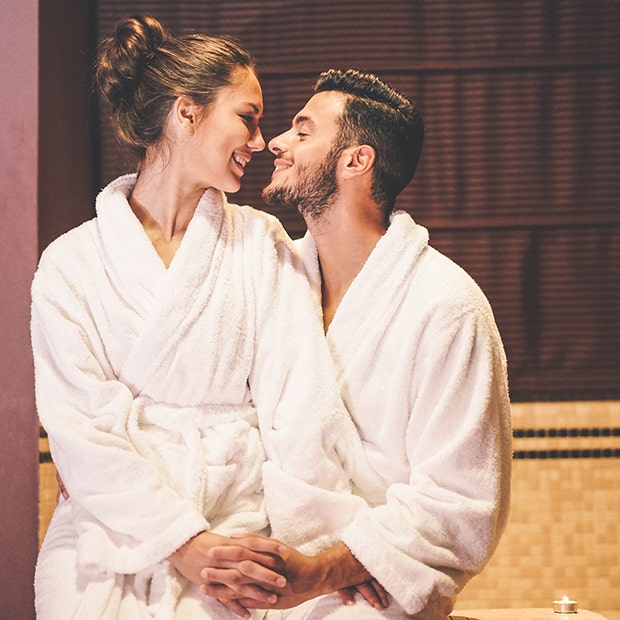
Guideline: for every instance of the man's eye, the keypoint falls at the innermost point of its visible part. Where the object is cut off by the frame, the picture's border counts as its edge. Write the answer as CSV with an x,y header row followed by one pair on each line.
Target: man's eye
x,y
301,134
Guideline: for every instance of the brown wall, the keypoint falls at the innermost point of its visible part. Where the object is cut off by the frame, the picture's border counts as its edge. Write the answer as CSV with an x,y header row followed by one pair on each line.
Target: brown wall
x,y
18,243
518,178
67,173
46,187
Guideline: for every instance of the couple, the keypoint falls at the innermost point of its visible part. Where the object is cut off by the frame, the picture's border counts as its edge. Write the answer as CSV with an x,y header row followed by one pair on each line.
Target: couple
x,y
186,383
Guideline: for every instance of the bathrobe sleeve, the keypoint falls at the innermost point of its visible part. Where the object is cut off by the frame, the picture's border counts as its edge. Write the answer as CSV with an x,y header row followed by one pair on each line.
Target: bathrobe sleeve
x,y
130,517
307,432
439,527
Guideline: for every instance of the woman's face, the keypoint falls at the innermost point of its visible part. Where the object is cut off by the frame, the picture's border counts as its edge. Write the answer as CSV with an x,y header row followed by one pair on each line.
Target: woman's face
x,y
227,135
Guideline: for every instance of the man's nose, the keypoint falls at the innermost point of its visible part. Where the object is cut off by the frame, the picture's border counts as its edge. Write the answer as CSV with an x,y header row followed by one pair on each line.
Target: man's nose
x,y
277,145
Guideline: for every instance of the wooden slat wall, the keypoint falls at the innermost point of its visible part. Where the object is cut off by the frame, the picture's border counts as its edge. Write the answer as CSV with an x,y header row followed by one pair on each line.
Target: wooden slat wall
x,y
519,177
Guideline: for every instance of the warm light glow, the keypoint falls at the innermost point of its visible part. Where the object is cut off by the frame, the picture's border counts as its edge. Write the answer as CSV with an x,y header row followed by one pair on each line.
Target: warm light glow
x,y
565,605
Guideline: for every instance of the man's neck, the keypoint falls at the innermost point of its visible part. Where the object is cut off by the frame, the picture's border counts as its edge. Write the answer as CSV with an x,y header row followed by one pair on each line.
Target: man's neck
x,y
344,241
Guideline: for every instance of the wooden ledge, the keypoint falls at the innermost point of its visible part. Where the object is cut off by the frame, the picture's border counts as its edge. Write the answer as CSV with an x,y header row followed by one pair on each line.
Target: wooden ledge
x,y
522,614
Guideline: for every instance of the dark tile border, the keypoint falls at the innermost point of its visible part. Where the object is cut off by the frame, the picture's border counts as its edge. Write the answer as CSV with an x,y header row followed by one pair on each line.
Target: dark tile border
x,y
522,433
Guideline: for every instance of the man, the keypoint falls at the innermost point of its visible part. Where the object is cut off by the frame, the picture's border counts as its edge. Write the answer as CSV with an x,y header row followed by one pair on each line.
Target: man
x,y
419,361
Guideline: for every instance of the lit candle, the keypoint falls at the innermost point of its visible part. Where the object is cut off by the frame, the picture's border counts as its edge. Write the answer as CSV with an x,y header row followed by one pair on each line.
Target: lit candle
x,y
565,606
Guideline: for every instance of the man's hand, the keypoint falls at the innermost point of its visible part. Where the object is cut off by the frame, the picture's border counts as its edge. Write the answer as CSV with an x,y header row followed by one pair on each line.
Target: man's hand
x,y
62,491
374,593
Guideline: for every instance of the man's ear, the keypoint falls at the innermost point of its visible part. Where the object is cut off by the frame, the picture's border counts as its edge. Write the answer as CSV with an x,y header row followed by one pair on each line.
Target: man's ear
x,y
358,160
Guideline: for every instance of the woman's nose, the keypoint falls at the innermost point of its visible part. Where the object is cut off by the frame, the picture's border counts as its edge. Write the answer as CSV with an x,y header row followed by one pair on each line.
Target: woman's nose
x,y
257,142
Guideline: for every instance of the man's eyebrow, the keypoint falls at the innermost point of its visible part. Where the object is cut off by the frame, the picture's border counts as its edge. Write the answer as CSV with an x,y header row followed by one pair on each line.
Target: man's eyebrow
x,y
298,120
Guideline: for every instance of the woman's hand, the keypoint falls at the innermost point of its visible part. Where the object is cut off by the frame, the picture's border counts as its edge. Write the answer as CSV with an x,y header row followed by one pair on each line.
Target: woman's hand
x,y
272,566
253,571
230,570
283,576
248,567
191,558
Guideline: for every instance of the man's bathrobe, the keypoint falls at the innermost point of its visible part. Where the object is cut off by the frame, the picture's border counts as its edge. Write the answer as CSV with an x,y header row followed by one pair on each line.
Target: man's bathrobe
x,y
153,383
423,373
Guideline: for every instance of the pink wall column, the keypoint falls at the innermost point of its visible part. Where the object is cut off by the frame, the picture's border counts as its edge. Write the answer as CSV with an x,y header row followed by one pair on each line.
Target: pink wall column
x,y
19,69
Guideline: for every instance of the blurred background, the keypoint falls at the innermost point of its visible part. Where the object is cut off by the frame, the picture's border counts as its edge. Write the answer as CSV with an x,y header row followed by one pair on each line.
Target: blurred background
x,y
518,180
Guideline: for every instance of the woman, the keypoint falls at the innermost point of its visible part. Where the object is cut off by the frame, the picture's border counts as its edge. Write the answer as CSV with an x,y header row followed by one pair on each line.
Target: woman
x,y
167,332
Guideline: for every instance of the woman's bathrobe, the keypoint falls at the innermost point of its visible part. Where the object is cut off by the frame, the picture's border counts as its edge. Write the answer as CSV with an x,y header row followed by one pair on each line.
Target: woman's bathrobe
x,y
423,373
152,384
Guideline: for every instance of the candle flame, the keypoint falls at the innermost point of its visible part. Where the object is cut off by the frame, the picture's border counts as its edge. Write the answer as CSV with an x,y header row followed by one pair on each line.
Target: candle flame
x,y
565,599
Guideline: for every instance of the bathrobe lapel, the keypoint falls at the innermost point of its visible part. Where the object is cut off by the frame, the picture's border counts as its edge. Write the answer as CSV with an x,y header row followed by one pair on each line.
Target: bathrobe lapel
x,y
373,297
167,301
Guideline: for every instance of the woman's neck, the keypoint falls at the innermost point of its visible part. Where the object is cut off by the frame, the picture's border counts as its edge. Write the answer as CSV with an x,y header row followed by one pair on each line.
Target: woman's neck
x,y
165,208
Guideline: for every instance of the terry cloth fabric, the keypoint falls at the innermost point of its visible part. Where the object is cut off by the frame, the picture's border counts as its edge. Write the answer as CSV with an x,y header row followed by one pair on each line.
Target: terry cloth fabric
x,y
422,371
153,384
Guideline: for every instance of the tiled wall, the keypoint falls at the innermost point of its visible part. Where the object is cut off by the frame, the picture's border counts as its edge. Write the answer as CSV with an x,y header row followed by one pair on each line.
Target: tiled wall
x,y
563,534
48,487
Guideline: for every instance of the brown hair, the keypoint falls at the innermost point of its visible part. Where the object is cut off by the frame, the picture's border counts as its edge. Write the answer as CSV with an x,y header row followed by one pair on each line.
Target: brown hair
x,y
141,70
378,115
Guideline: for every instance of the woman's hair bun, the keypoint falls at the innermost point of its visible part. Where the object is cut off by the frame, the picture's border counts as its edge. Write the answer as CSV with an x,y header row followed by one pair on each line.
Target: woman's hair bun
x,y
141,70
122,56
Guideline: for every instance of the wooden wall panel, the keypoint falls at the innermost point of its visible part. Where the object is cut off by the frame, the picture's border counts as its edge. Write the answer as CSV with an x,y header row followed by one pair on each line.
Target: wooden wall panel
x,y
518,179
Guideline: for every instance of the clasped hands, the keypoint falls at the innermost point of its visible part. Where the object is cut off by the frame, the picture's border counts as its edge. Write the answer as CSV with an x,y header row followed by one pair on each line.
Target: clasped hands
x,y
253,571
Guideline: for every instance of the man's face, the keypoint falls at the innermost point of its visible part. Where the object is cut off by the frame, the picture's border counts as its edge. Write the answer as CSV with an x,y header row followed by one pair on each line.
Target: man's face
x,y
305,164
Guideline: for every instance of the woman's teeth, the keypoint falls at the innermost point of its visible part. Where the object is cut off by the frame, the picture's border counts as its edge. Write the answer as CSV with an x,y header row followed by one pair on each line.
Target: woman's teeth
x,y
240,161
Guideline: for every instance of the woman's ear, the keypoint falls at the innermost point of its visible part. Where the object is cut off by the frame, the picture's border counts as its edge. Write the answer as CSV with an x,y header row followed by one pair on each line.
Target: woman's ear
x,y
185,113
358,160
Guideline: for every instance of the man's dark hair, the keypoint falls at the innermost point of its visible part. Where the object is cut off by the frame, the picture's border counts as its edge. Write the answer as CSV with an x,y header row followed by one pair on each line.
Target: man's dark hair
x,y
378,115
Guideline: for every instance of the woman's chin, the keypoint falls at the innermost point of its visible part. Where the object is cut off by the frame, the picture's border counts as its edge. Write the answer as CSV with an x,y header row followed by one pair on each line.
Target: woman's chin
x,y
232,186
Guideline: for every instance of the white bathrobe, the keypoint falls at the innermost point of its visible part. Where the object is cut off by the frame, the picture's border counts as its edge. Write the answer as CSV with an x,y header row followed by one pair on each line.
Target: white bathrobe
x,y
423,373
153,383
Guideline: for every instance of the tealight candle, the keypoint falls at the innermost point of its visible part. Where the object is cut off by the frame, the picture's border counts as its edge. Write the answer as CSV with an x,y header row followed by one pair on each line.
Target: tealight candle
x,y
565,606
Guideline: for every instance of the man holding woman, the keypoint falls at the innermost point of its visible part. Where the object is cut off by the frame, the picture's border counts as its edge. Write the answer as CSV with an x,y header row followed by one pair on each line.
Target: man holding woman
x,y
164,341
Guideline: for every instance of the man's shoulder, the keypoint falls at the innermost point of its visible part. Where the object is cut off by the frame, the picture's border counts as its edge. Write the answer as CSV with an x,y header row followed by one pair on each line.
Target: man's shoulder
x,y
434,264
443,282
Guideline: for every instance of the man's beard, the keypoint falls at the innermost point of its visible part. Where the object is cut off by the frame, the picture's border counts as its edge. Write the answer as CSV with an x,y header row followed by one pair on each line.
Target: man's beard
x,y
314,191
